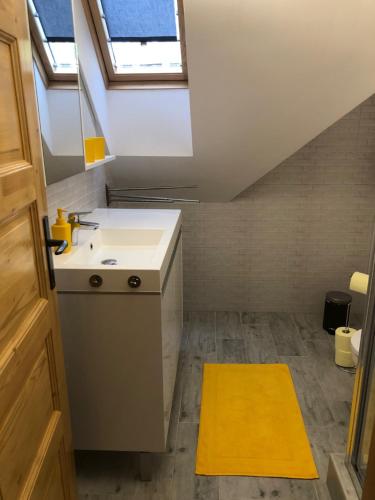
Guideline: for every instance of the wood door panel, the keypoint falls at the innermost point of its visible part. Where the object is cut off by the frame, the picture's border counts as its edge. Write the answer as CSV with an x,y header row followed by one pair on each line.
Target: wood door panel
x,y
20,291
11,143
46,479
17,360
25,427
36,459
17,189
54,488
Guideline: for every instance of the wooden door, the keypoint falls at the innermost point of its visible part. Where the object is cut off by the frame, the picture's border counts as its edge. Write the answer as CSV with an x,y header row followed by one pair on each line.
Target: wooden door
x,y
35,440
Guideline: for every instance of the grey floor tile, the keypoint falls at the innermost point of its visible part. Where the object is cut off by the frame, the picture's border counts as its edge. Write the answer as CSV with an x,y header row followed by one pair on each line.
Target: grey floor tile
x,y
201,333
312,400
255,319
98,497
201,348
335,382
246,488
161,485
321,489
324,392
176,405
192,385
285,335
228,325
231,351
191,390
324,441
259,342
309,326
341,412
173,423
106,473
186,484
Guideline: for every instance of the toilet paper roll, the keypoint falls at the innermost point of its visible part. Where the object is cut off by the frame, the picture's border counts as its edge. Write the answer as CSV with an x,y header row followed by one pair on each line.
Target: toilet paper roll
x,y
343,351
359,282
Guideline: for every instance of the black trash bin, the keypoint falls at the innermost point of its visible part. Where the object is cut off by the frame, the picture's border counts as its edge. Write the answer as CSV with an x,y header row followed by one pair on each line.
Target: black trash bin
x,y
336,310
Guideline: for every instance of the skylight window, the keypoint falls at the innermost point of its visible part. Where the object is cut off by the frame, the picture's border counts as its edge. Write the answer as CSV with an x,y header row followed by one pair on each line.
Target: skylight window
x,y
53,34
141,39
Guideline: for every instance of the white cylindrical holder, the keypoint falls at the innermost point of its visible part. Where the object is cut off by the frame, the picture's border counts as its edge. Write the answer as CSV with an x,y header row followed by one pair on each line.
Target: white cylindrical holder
x,y
343,352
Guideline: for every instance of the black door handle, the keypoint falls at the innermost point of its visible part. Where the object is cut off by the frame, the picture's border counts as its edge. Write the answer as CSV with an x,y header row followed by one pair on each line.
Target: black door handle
x,y
61,246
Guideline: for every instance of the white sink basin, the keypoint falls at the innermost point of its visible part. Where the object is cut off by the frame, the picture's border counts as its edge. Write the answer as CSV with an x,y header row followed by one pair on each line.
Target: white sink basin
x,y
130,237
124,248
128,242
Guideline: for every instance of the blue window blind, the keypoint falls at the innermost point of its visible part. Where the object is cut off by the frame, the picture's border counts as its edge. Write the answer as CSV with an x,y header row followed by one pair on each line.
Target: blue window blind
x,y
56,19
140,20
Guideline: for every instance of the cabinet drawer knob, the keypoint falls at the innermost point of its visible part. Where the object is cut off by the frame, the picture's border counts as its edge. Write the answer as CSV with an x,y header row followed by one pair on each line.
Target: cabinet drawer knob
x,y
134,281
95,280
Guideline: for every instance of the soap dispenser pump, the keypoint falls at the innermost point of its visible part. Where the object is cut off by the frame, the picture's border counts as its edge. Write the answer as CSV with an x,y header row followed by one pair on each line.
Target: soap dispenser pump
x,y
61,230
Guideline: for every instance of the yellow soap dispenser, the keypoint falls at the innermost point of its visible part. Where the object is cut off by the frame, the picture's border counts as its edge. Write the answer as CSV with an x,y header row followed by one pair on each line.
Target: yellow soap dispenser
x,y
62,230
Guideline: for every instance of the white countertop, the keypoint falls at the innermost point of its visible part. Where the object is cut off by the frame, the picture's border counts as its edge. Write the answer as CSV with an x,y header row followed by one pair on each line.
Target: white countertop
x,y
141,241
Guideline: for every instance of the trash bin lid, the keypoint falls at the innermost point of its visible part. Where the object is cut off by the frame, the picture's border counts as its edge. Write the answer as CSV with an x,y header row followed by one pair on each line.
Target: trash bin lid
x,y
338,297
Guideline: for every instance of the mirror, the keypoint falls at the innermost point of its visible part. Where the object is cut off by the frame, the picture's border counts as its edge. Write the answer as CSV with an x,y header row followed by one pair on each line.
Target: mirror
x,y
94,95
90,122
57,87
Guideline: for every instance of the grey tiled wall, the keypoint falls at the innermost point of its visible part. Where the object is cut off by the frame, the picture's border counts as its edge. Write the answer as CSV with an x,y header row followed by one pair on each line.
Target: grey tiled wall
x,y
84,191
279,246
295,234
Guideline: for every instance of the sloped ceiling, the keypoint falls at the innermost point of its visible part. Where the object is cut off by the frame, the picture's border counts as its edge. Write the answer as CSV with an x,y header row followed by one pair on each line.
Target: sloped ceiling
x,y
265,78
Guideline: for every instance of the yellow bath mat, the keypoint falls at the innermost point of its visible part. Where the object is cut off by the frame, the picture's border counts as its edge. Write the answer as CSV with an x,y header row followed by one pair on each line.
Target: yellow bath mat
x,y
251,424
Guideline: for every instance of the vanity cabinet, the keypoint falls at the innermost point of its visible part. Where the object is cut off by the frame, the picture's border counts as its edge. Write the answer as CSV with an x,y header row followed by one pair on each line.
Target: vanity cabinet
x,y
121,352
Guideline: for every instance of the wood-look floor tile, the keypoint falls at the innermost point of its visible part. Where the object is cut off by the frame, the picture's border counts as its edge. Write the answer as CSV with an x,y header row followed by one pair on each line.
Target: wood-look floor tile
x,y
192,385
246,488
324,392
106,473
314,405
228,325
335,382
186,484
341,412
99,497
259,342
285,335
231,351
161,485
324,441
321,489
309,326
201,333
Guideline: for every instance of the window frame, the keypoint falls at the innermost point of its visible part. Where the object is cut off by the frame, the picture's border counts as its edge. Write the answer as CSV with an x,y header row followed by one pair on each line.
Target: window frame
x,y
50,78
116,80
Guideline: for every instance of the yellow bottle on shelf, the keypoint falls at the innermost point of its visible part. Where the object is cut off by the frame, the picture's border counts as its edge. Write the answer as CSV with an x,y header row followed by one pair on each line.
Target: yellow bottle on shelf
x,y
62,230
90,143
99,148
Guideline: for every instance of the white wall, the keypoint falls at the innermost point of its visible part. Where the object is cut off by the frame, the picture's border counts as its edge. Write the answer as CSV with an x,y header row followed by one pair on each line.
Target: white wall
x,y
88,120
150,122
268,76
265,77
65,122
43,107
60,121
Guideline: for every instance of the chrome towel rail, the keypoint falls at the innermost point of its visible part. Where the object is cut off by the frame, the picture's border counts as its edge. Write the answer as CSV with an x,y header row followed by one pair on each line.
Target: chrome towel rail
x,y
119,195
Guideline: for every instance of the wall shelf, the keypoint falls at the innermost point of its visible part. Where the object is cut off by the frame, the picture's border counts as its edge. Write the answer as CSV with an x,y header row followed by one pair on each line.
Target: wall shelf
x,y
97,163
